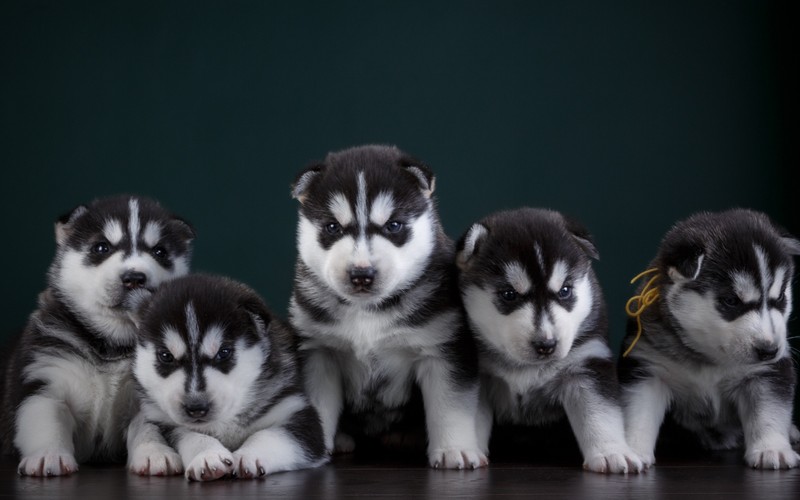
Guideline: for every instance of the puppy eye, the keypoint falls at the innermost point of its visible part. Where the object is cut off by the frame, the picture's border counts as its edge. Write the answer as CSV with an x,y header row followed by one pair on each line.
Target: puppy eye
x,y
333,228
393,227
223,354
565,292
101,247
159,252
509,295
165,357
731,301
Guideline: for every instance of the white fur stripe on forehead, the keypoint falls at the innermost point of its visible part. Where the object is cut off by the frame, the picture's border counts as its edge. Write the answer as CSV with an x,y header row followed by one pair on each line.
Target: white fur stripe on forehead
x,y
558,276
212,341
539,257
174,342
763,268
517,277
745,287
361,202
113,231
191,324
340,208
133,223
382,208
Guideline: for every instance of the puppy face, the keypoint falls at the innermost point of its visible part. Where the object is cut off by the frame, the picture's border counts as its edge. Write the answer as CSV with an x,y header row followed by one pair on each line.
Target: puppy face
x,y
366,223
111,247
728,285
525,280
203,350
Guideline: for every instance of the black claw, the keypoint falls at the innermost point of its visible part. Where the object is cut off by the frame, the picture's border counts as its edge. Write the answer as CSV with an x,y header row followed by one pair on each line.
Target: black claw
x,y
228,462
261,471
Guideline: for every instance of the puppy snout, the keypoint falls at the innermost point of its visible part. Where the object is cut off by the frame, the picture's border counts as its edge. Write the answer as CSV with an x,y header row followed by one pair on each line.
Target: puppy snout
x,y
545,347
197,408
133,280
766,352
362,277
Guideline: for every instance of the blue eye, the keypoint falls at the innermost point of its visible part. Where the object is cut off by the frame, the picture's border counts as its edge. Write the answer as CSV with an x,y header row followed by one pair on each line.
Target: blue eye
x,y
223,354
565,292
509,295
333,228
393,226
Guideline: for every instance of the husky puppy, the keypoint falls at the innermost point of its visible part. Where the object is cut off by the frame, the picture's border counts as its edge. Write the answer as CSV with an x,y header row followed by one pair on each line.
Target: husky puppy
x,y
376,304
539,317
713,347
68,393
218,374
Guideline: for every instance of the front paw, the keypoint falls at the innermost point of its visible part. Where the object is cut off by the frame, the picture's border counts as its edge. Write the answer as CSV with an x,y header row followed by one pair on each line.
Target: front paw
x,y
248,465
453,458
616,460
343,443
778,457
154,459
210,465
48,463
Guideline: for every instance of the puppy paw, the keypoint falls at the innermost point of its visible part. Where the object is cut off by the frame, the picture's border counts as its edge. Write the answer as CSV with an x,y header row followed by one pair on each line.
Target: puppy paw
x,y
452,458
210,465
48,463
343,443
776,458
249,465
794,435
617,460
154,459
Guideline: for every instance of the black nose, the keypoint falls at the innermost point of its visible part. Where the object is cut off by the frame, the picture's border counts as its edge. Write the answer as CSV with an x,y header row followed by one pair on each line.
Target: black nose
x,y
133,279
362,276
545,347
766,353
196,409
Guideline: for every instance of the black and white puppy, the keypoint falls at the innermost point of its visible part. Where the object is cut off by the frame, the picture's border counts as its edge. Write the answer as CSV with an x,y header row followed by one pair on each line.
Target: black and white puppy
x,y
218,374
713,348
539,317
68,393
376,304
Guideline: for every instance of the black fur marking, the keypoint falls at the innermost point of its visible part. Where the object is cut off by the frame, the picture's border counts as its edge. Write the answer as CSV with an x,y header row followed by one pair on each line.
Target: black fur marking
x,y
306,429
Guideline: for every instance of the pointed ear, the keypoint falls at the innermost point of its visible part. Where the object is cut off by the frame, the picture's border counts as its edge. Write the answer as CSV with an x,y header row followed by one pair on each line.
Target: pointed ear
x,y
66,222
791,244
469,245
183,227
259,313
582,237
304,179
423,174
683,259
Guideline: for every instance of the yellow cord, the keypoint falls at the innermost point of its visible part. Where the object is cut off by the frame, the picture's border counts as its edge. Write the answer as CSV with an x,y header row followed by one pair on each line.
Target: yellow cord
x,y
648,295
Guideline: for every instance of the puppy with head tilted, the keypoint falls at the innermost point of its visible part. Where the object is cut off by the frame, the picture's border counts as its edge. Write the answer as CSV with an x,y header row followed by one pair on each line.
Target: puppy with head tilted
x,y
539,317
376,305
713,349
68,393
218,375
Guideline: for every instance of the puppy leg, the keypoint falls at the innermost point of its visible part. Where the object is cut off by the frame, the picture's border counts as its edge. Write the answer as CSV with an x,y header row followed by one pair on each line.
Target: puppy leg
x,y
323,384
484,420
450,416
206,458
148,452
600,432
644,404
44,428
766,421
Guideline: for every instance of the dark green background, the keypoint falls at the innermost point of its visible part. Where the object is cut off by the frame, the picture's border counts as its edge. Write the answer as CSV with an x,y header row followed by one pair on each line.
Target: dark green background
x,y
626,115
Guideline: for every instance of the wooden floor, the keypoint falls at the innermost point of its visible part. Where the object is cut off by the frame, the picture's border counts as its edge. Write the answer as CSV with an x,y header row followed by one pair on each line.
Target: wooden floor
x,y
719,475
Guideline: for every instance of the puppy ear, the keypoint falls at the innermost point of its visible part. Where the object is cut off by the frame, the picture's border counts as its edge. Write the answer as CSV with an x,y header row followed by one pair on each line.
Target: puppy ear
x,y
582,237
66,222
182,227
469,244
791,244
423,174
259,313
683,259
304,179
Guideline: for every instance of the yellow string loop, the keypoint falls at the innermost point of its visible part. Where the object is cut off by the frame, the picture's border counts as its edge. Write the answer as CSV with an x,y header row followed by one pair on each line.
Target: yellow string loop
x,y
646,297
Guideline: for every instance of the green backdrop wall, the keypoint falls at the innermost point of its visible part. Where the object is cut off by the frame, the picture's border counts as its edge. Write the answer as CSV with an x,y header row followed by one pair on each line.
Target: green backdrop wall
x,y
626,115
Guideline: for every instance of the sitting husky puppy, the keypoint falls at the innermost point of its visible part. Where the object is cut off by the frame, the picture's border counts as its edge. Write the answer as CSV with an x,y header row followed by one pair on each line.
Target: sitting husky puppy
x,y
218,375
376,304
68,391
713,346
537,310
